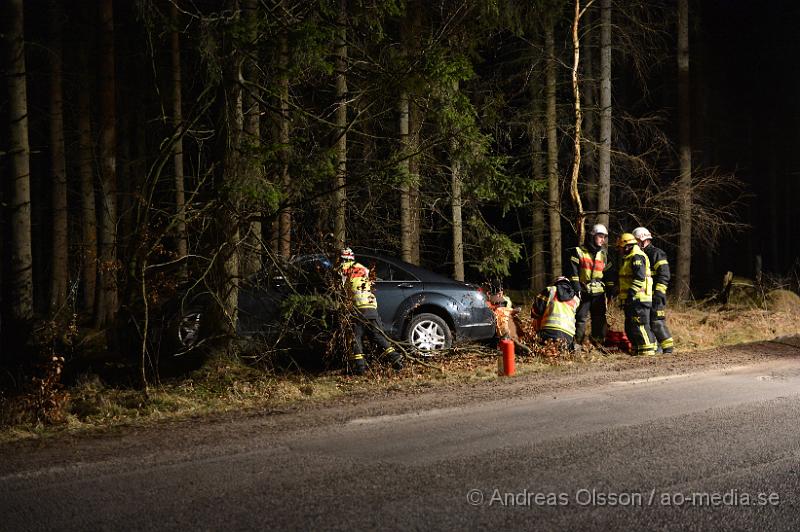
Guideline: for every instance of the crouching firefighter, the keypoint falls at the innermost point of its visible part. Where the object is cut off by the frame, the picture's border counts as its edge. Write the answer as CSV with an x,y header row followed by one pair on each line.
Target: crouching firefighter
x,y
659,269
587,266
505,318
356,280
554,312
636,295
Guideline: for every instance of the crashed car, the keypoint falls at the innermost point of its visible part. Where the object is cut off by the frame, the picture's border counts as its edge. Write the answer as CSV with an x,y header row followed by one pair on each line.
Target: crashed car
x,y
418,307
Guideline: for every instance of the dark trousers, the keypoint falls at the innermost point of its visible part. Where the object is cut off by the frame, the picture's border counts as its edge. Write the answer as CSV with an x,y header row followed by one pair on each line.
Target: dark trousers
x,y
593,305
369,323
371,326
637,328
658,324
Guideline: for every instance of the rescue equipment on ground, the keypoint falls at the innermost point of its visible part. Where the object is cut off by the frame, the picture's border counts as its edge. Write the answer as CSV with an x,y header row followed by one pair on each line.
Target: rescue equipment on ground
x,y
505,362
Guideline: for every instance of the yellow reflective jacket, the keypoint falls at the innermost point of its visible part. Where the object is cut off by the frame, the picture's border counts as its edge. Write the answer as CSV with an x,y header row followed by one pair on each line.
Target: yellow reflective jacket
x,y
356,278
554,314
634,277
586,269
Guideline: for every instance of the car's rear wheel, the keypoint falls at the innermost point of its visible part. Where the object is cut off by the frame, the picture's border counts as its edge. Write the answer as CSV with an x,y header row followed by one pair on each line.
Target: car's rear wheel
x,y
428,332
190,329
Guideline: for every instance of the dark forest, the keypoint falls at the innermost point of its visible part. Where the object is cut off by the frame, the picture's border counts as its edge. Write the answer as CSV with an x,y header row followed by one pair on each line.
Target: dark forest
x,y
149,142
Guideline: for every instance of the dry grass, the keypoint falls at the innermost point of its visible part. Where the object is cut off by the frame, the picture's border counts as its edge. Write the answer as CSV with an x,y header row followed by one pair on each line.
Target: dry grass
x,y
223,385
700,329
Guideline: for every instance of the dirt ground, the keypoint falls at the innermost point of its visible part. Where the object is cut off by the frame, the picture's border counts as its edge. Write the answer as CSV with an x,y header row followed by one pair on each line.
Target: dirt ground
x,y
374,400
224,392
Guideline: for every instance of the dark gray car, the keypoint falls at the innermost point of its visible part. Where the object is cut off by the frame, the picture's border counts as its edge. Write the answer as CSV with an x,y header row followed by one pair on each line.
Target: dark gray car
x,y
417,306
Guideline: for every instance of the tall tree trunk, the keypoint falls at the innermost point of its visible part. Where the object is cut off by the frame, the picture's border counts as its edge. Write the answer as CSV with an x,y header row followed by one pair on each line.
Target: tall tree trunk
x,y
538,229
19,150
455,206
589,134
576,94
339,231
125,186
60,274
553,188
86,171
685,179
275,236
409,138
253,244
232,167
415,131
406,226
107,297
181,242
458,225
285,236
604,171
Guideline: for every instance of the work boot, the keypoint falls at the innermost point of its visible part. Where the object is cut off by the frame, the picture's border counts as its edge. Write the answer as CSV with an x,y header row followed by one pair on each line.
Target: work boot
x,y
395,358
397,362
667,346
358,366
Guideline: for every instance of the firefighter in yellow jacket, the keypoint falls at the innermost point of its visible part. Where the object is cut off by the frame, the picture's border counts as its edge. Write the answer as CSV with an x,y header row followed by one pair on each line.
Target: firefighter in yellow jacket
x,y
659,269
588,264
636,294
355,276
554,312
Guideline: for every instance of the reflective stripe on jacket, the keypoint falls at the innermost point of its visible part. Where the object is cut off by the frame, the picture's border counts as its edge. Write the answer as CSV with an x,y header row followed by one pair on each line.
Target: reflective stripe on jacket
x,y
634,275
559,315
587,269
659,267
356,277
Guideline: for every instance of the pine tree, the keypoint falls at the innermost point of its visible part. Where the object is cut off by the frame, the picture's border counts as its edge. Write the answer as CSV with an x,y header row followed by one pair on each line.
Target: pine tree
x,y
108,294
21,248
60,274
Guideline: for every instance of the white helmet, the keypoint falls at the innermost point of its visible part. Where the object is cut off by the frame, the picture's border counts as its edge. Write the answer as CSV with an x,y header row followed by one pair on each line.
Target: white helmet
x,y
641,234
599,229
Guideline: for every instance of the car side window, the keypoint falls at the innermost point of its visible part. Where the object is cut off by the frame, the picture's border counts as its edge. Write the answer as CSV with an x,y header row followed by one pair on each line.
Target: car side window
x,y
399,274
381,268
385,271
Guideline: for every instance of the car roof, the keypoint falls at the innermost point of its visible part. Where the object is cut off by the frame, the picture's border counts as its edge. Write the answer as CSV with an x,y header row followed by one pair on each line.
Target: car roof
x,y
424,275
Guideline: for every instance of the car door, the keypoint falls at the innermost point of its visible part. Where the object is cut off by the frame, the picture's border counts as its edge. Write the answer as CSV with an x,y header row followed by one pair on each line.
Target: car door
x,y
259,303
261,296
393,285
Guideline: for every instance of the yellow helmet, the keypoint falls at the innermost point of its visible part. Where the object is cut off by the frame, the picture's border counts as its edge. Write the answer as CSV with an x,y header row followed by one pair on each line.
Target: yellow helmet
x,y
626,239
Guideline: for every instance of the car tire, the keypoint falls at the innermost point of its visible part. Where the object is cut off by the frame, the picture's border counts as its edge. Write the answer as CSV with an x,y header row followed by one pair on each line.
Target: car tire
x,y
189,330
429,332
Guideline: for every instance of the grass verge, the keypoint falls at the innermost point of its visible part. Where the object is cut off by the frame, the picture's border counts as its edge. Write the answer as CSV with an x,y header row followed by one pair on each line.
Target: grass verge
x,y
224,385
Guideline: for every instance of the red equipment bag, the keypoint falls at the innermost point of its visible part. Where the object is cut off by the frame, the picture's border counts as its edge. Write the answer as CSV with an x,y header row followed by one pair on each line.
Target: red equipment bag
x,y
619,340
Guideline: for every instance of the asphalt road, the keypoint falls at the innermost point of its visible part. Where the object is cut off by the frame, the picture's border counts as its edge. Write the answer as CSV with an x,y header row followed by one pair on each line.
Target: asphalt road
x,y
710,450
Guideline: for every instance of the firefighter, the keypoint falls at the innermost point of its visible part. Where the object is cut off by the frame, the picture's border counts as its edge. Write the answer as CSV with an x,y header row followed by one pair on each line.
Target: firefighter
x,y
356,279
587,266
505,318
554,312
503,309
636,294
659,269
